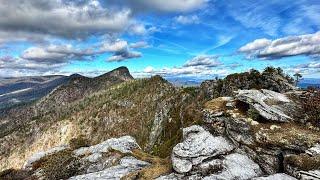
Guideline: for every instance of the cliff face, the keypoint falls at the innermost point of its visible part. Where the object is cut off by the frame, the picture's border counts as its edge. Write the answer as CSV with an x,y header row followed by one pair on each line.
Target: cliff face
x,y
271,78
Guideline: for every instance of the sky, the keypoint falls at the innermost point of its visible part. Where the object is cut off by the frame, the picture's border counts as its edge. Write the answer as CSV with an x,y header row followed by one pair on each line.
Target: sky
x,y
173,38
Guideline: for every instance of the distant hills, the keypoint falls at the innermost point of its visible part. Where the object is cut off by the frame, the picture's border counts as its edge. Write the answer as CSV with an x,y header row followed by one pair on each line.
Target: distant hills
x,y
306,82
191,81
20,90
14,91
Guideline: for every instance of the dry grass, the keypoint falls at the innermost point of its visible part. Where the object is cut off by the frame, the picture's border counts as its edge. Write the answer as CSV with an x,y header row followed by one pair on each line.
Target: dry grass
x,y
218,104
289,135
158,167
303,162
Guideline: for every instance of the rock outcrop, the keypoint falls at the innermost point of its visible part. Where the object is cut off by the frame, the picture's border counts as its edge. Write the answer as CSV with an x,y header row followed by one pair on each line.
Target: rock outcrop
x,y
111,159
198,146
271,78
270,105
125,167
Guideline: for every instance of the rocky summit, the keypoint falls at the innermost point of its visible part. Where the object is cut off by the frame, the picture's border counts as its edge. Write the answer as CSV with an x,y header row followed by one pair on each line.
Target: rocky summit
x,y
253,125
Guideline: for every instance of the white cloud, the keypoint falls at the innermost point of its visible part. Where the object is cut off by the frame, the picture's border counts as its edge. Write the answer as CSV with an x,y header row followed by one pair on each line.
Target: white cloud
x,y
138,29
140,44
203,60
118,45
121,56
199,66
166,5
148,69
192,19
308,45
68,19
255,45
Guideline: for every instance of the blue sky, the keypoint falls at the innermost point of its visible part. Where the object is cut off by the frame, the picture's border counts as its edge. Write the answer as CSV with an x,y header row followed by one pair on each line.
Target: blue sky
x,y
173,38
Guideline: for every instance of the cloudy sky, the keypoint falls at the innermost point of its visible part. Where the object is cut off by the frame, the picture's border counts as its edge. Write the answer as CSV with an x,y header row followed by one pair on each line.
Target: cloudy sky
x,y
196,38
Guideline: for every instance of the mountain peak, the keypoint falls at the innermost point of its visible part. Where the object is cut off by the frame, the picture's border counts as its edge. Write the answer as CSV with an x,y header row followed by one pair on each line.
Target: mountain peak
x,y
120,73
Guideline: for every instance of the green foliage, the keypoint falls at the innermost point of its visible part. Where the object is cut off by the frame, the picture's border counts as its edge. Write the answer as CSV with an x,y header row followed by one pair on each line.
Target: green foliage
x,y
271,70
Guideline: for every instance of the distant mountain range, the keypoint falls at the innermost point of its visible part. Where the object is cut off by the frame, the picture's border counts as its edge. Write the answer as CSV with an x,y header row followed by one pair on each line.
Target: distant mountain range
x,y
187,81
19,90
306,82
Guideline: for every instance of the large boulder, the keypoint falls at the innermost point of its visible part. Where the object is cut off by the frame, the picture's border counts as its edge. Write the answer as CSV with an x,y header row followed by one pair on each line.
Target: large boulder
x,y
197,146
111,159
272,106
280,176
237,166
123,144
126,166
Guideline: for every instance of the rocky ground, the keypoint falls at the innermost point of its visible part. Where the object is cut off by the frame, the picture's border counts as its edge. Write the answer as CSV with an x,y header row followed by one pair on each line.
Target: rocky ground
x,y
253,134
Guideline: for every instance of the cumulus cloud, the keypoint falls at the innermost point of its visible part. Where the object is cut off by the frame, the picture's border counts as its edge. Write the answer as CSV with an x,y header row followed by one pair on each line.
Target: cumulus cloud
x,y
192,19
305,69
200,66
308,45
123,55
12,66
121,50
67,19
164,5
140,44
56,54
116,46
203,60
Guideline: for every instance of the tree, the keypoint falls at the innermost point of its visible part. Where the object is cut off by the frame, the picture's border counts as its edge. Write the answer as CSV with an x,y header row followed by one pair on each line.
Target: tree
x,y
298,76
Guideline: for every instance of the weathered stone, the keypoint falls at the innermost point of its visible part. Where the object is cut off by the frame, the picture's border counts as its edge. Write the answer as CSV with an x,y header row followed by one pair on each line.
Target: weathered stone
x,y
126,165
239,130
280,176
310,175
123,144
237,167
198,145
210,167
314,150
268,160
103,163
269,104
174,176
94,157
